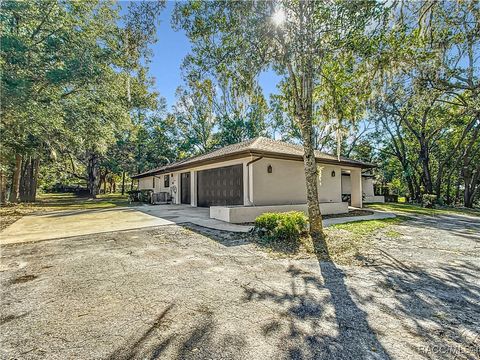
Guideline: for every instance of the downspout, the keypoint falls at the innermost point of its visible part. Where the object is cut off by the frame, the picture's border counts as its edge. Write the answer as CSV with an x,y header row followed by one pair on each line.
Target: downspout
x,y
248,177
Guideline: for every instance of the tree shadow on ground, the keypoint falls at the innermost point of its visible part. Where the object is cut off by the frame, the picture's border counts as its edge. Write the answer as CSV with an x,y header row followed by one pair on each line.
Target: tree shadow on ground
x,y
457,225
441,307
226,238
202,341
140,346
323,319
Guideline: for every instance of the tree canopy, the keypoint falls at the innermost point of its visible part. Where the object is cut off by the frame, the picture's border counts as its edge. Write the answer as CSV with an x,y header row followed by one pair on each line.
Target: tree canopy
x,y
396,83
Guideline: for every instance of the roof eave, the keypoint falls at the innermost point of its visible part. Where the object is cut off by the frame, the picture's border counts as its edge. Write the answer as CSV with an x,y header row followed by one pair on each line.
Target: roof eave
x,y
245,153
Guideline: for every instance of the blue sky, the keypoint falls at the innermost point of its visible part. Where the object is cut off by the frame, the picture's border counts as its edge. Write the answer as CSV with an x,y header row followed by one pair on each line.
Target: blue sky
x,y
168,53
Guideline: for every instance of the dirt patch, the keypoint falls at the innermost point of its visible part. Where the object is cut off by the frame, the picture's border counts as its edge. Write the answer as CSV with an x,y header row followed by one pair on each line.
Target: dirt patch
x,y
13,212
349,214
24,279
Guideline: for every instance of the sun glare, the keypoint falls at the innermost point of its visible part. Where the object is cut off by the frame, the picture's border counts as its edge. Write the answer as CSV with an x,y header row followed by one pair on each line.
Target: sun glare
x,y
278,17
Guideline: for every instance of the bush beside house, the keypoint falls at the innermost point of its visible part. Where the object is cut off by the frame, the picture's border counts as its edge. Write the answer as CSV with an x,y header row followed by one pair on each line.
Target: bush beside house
x,y
286,228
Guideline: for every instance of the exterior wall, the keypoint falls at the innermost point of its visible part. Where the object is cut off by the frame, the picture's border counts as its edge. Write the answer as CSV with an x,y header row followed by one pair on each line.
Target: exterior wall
x,y
346,184
174,188
330,187
367,185
286,183
245,214
145,183
284,186
374,199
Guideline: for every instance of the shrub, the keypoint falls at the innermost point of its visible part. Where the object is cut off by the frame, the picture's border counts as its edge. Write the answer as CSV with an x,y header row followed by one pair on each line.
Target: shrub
x,y
140,195
429,200
281,226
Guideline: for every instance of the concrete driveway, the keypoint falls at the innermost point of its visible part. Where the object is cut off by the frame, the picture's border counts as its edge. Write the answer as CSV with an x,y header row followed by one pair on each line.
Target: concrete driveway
x,y
61,224
171,292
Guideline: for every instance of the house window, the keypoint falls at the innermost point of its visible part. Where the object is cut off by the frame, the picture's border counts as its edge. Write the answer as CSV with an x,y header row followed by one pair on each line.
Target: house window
x,y
166,181
153,182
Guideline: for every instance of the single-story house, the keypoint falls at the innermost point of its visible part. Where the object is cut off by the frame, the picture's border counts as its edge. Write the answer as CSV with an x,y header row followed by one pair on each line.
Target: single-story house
x,y
367,188
241,181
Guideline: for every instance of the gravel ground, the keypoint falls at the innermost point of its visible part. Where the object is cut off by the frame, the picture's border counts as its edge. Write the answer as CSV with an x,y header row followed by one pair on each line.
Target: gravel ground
x,y
173,292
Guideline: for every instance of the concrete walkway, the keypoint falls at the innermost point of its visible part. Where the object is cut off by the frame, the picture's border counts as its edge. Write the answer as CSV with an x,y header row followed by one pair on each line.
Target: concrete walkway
x,y
62,224
377,215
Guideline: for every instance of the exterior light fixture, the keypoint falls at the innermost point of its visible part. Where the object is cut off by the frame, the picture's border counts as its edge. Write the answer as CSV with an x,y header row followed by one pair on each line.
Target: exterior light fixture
x,y
333,173
269,169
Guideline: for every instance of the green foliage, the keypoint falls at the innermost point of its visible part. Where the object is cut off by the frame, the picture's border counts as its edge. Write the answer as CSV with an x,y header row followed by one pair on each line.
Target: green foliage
x,y
74,85
429,200
288,226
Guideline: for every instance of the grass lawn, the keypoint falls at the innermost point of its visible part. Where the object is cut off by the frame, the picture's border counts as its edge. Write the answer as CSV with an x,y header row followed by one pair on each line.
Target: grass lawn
x,y
415,209
347,243
69,201
59,201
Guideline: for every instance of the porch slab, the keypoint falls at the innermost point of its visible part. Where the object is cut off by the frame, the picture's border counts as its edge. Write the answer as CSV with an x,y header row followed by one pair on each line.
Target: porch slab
x,y
247,214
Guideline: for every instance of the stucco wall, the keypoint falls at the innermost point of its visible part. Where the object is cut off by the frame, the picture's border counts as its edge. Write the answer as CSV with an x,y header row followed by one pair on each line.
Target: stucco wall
x,y
330,187
346,184
243,214
284,186
145,183
286,183
367,185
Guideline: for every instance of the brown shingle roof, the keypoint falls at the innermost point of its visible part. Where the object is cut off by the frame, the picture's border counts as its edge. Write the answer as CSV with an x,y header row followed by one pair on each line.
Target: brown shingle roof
x,y
259,146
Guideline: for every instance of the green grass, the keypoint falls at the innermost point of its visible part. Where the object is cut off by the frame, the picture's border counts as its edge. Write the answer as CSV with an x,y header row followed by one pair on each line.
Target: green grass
x,y
69,201
59,201
367,227
350,243
393,234
418,210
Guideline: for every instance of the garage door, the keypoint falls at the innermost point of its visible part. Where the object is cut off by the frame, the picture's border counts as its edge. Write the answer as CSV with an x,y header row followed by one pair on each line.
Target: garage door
x,y
220,186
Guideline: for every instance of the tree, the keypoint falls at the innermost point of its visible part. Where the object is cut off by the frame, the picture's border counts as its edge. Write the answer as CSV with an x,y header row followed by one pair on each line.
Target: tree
x,y
428,102
293,37
64,65
194,115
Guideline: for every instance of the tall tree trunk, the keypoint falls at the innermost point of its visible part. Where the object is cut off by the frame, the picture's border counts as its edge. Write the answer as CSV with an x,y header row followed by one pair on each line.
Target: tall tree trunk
x,y
3,187
29,179
123,182
457,189
449,188
471,182
25,179
311,177
411,187
438,182
426,175
15,191
34,179
93,175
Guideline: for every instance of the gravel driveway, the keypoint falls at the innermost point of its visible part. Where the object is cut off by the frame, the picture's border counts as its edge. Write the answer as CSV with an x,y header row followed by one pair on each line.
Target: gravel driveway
x,y
174,292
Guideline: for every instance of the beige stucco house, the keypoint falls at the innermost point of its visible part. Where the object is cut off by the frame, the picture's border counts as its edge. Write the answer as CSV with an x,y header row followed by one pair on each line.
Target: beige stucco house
x,y
241,181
